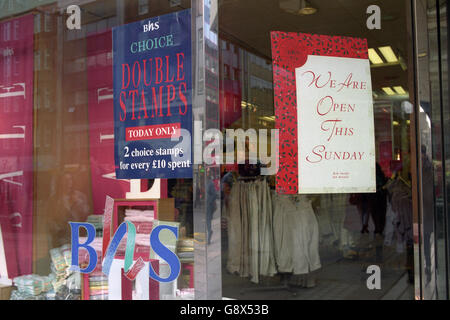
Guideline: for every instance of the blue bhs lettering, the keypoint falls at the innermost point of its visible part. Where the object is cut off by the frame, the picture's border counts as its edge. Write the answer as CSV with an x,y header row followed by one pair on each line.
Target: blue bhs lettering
x,y
159,248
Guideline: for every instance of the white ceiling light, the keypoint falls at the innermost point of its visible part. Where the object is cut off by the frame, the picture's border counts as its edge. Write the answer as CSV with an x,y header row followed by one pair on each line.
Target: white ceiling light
x,y
388,91
388,54
266,118
374,57
399,90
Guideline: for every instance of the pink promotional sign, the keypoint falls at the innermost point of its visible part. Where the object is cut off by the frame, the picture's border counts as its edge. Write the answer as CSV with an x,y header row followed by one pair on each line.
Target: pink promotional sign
x,y
16,143
101,122
290,52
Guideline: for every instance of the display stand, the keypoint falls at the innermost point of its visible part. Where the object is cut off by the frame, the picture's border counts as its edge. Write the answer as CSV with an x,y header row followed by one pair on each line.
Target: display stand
x,y
164,209
127,285
154,199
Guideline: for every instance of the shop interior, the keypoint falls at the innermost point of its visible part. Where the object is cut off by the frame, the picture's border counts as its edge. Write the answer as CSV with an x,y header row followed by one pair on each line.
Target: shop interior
x,y
345,248
73,76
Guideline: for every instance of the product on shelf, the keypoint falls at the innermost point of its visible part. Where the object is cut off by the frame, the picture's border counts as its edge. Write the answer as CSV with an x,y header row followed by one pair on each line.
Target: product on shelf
x,y
61,284
97,221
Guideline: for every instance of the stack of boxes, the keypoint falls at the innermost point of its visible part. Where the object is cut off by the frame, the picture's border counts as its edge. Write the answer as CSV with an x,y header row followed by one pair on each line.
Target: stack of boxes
x,y
60,284
143,220
97,285
31,287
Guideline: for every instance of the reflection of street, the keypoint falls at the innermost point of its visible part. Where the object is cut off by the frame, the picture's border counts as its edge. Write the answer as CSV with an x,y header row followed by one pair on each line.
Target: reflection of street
x,y
207,255
212,204
201,237
430,285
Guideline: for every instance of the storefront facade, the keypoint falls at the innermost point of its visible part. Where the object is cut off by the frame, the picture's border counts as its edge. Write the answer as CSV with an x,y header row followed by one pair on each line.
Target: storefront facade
x,y
191,119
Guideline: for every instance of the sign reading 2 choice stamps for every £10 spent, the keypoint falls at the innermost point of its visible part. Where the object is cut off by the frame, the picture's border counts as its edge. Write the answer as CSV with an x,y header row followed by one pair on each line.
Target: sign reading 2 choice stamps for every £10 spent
x,y
153,98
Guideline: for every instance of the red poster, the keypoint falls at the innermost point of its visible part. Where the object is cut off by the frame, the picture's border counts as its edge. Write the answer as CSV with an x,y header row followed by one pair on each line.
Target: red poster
x,y
101,122
290,51
230,88
16,143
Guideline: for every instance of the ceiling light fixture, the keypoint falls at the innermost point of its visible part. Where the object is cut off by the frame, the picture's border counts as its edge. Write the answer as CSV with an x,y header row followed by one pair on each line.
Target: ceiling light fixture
x,y
306,8
374,57
388,54
388,91
298,7
399,90
266,118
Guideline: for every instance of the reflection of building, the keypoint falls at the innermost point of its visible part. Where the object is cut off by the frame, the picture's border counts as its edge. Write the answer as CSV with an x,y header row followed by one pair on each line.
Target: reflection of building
x,y
230,84
246,88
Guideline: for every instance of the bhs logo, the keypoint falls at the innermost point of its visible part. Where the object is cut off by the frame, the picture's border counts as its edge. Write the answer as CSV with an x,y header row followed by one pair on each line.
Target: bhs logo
x,y
151,26
131,270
